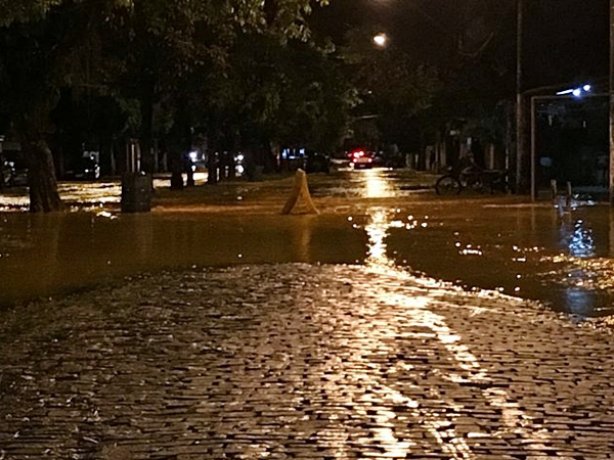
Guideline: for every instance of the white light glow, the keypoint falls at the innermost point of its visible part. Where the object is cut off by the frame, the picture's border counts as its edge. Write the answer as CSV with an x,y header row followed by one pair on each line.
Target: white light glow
x,y
577,92
376,185
380,39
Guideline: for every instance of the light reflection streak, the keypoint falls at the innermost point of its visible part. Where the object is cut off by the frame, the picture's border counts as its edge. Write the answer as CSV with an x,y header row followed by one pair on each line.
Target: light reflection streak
x,y
415,305
581,272
396,448
377,231
378,259
579,301
8,203
376,185
87,193
580,241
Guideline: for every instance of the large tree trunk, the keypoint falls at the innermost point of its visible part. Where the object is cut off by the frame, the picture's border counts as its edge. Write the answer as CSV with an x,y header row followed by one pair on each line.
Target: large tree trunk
x,y
44,196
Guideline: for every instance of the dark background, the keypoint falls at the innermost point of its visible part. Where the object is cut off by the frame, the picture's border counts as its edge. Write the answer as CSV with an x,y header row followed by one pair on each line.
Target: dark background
x,y
564,40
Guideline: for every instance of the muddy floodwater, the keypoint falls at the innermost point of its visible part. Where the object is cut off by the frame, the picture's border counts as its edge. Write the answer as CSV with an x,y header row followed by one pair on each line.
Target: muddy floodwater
x,y
560,255
62,252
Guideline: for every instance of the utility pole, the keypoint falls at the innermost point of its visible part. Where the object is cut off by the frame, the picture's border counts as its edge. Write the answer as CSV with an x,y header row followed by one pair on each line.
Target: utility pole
x,y
520,128
611,90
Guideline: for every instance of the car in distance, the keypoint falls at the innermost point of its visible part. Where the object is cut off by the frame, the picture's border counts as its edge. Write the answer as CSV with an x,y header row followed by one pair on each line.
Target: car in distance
x,y
317,162
361,159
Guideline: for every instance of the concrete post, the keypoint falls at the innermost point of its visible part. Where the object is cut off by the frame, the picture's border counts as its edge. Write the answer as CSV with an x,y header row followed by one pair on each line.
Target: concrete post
x,y
300,191
520,137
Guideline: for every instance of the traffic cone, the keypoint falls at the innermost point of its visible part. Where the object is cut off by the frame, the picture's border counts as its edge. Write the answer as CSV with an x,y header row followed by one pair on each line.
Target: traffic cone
x,y
300,192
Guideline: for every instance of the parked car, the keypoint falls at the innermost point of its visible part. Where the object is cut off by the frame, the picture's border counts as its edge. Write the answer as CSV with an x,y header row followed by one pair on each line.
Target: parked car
x,y
361,158
317,162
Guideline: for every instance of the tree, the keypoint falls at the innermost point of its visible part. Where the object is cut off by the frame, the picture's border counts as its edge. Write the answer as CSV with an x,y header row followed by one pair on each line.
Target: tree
x,y
294,94
182,56
43,49
394,86
42,40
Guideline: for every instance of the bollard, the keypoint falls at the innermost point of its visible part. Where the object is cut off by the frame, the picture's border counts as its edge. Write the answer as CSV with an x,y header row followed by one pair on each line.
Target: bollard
x,y
300,190
554,189
136,192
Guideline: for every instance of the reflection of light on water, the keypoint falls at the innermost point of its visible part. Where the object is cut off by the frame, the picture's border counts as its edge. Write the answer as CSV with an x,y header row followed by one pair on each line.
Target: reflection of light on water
x,y
579,301
583,279
579,270
436,323
394,447
377,230
8,203
88,193
469,250
414,308
580,242
106,215
376,185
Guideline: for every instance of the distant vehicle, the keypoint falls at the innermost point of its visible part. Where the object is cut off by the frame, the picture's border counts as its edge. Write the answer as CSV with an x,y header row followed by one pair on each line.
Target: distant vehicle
x,y
239,159
361,159
195,160
317,162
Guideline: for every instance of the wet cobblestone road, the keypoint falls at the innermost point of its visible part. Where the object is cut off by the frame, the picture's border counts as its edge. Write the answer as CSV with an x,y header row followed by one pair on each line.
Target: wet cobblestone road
x,y
300,361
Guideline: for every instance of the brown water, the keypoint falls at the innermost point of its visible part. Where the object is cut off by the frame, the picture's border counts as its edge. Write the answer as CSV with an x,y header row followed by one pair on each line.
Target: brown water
x,y
45,254
564,257
565,260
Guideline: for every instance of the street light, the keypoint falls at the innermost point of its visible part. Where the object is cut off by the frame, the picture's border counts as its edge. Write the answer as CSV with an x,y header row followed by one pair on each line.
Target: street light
x,y
577,92
520,154
380,40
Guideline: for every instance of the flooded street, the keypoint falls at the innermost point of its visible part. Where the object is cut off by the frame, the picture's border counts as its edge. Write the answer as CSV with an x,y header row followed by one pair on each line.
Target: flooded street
x,y
562,257
239,248
564,260
213,327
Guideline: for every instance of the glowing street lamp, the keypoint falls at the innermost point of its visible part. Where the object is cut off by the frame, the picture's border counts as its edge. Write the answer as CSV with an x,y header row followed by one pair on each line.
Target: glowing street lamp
x,y
576,92
380,40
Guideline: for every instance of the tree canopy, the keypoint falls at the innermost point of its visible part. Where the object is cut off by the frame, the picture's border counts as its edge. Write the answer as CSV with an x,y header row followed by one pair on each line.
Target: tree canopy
x,y
153,58
253,73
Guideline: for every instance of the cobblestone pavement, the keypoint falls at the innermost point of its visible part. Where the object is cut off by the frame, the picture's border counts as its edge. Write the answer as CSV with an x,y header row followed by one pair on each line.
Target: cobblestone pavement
x,y
301,361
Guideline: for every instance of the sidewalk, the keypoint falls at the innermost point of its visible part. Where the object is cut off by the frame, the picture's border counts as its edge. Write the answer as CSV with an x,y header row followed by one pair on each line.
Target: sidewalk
x,y
300,361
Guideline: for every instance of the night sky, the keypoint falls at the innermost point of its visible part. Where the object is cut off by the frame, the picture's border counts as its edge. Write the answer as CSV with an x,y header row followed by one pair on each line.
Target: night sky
x,y
565,40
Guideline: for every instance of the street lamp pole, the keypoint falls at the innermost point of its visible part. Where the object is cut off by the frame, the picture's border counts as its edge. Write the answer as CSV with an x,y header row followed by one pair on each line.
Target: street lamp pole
x,y
611,91
520,153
